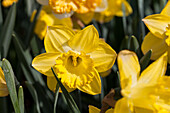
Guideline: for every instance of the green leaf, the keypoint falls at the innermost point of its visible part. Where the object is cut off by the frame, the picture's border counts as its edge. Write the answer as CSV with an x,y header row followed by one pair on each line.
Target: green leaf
x,y
56,97
70,101
9,76
124,19
1,17
21,99
34,95
141,16
144,61
6,33
134,45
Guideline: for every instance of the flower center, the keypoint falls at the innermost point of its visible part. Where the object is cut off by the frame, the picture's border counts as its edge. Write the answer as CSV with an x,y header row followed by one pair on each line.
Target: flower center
x,y
74,69
167,33
75,60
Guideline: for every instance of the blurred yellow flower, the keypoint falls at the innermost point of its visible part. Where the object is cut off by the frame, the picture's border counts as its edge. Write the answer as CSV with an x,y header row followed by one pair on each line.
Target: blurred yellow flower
x,y
158,39
93,109
7,3
147,92
45,19
113,8
76,57
3,86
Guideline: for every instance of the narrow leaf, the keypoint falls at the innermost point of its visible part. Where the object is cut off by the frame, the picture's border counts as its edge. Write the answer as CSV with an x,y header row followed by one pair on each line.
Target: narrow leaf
x,y
1,17
144,61
34,95
124,19
21,99
9,76
56,97
6,33
71,103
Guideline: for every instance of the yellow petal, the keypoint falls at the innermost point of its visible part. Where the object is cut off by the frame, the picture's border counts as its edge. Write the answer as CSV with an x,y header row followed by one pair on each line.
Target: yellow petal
x,y
86,18
104,57
128,9
129,68
110,111
157,45
44,62
56,37
93,109
52,82
3,86
85,40
153,72
94,87
166,10
122,106
47,18
157,24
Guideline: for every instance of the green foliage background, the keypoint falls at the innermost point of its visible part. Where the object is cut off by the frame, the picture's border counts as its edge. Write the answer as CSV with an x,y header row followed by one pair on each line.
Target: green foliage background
x,y
20,45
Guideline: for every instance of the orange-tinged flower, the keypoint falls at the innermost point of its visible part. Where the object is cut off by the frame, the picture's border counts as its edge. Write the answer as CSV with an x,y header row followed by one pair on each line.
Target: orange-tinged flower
x,y
110,9
158,39
7,3
76,57
65,8
147,92
3,86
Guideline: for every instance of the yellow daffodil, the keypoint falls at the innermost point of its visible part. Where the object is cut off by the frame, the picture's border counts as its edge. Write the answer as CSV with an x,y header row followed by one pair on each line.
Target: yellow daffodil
x,y
3,86
46,18
76,57
147,92
67,7
114,8
7,3
158,39
93,109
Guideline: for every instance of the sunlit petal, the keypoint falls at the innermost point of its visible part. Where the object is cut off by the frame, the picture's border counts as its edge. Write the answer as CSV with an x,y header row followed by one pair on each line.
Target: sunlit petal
x,y
94,87
44,62
104,57
157,45
122,106
157,24
153,72
129,68
85,40
56,37
166,10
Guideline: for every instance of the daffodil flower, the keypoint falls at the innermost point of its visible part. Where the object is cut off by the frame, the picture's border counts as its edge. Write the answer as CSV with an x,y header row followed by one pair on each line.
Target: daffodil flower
x,y
158,39
3,86
93,109
111,8
7,3
147,92
65,8
46,18
76,57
